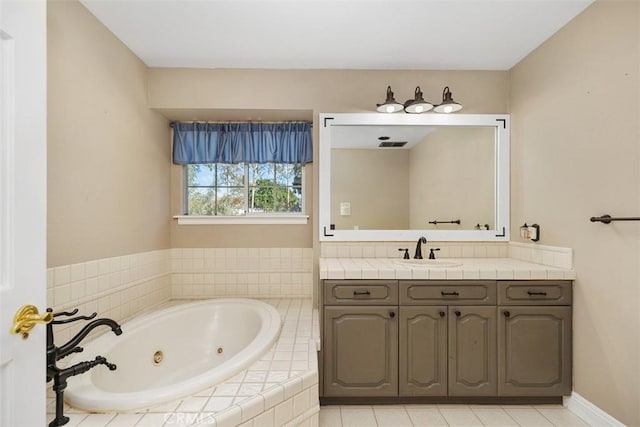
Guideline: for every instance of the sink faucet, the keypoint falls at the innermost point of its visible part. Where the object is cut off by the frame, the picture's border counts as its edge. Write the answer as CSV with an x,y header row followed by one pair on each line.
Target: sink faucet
x,y
418,253
54,353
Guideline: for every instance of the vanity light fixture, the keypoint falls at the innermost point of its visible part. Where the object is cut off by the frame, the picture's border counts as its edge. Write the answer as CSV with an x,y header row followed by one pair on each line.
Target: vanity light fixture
x,y
448,105
417,104
390,105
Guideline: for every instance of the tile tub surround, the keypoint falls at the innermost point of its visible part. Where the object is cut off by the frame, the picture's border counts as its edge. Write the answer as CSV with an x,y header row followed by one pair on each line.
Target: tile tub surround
x,y
279,389
471,269
242,272
117,288
120,287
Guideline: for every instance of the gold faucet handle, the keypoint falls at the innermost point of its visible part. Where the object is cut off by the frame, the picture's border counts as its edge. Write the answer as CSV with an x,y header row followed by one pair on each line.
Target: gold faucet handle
x,y
26,318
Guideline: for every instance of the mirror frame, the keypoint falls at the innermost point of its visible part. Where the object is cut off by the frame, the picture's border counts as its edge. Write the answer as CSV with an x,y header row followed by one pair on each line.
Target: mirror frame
x,y
502,202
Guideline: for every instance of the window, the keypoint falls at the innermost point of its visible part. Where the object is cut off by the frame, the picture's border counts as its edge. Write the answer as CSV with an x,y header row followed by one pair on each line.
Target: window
x,y
244,189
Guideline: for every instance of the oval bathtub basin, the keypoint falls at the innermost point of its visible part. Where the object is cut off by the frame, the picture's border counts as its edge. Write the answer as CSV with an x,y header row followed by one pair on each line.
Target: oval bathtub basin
x,y
172,353
431,263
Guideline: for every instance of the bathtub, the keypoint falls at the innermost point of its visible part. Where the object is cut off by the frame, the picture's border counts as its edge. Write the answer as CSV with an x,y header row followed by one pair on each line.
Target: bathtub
x,y
173,353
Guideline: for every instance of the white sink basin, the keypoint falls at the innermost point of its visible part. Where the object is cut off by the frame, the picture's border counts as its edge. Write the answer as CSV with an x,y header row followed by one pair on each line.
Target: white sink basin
x,y
428,263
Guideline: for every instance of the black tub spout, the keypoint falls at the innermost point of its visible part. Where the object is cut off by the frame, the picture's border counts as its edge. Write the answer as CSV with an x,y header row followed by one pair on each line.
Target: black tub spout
x,y
70,346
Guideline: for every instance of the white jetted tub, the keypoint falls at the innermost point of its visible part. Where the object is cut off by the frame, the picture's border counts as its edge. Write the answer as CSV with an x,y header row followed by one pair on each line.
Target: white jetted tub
x,y
172,353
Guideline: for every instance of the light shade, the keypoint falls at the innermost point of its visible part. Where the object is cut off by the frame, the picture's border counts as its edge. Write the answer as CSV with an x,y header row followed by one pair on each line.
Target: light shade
x,y
448,104
417,104
390,105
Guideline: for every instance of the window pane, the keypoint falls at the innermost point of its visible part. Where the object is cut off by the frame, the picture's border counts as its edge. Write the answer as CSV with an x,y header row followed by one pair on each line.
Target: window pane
x,y
261,197
200,175
230,201
260,172
284,174
288,200
201,201
230,175
218,189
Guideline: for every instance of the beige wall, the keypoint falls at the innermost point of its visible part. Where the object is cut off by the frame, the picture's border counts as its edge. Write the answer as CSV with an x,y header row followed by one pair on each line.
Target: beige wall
x,y
211,94
108,155
575,105
453,177
375,183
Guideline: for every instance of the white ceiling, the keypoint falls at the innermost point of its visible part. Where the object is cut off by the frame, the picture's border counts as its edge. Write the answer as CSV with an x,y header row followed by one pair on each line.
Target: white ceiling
x,y
335,34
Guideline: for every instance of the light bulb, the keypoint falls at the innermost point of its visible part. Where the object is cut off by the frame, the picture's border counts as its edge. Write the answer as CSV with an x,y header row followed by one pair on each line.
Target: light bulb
x,y
419,109
390,108
448,109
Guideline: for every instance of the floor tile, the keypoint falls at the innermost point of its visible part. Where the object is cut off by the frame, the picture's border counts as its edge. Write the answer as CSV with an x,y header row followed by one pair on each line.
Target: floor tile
x,y
561,417
330,416
527,417
392,416
459,416
96,420
125,420
425,416
494,417
358,416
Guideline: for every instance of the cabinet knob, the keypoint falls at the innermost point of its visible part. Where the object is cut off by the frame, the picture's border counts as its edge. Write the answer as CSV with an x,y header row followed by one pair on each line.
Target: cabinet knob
x,y
392,314
506,313
457,313
442,314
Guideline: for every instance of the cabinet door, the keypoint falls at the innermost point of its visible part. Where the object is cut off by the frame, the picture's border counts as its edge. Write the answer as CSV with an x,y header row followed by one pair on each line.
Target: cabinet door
x,y
360,351
534,351
472,351
423,351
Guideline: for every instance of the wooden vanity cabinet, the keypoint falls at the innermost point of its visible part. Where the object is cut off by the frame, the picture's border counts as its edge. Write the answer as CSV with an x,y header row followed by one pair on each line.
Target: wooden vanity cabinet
x,y
449,348
360,338
446,338
472,351
423,351
534,338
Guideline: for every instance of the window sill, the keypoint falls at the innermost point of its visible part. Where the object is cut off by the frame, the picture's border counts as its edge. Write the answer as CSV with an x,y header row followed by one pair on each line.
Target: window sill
x,y
297,219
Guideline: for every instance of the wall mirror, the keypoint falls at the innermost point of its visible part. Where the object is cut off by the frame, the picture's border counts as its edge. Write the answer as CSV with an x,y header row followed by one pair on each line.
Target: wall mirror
x,y
402,176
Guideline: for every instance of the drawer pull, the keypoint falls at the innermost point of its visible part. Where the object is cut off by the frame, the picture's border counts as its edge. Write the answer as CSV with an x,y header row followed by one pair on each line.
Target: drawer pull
x,y
449,294
361,293
544,294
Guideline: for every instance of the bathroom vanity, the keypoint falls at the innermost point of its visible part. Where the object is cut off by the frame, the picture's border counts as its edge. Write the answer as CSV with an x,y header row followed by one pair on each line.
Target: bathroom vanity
x,y
406,338
476,325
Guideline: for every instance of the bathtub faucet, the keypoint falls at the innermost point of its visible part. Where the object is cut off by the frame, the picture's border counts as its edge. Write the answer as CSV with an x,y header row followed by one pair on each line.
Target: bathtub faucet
x,y
54,353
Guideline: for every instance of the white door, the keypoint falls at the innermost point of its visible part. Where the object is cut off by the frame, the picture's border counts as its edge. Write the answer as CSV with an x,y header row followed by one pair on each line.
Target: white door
x,y
23,162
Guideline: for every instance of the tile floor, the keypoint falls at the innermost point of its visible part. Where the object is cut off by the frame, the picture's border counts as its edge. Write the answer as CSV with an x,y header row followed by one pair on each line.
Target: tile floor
x,y
448,415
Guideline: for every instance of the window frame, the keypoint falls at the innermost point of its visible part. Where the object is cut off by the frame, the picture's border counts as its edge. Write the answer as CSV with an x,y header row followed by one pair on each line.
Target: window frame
x,y
292,218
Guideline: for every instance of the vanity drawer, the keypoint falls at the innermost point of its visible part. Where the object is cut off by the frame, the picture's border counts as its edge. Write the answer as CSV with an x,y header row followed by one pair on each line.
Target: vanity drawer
x,y
475,292
354,292
531,292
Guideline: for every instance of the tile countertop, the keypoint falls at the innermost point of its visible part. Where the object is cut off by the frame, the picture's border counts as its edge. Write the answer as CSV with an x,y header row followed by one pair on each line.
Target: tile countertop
x,y
469,269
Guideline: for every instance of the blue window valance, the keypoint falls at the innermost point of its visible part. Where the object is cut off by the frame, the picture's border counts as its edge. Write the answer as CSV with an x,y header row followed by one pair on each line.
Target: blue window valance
x,y
198,143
